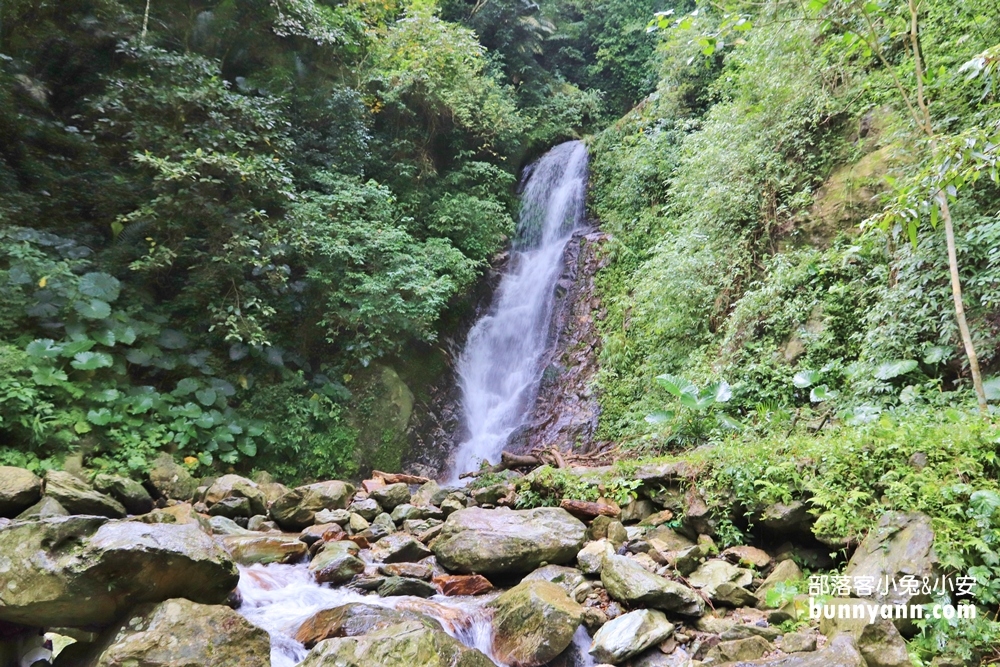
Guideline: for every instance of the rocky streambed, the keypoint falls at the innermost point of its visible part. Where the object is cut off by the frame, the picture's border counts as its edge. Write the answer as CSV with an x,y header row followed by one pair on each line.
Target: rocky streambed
x,y
105,571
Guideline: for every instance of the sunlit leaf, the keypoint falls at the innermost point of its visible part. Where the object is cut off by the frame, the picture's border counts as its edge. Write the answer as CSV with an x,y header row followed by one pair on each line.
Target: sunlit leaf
x,y
895,368
806,378
100,286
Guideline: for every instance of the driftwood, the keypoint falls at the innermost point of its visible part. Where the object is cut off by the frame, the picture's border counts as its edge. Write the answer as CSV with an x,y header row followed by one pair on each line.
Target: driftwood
x,y
547,456
399,478
588,510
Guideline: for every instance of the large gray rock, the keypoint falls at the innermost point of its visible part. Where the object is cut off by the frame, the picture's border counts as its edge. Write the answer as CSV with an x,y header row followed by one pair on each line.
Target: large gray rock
x,y
840,652
253,548
357,618
399,548
630,634
391,496
234,486
130,493
85,570
336,563
171,479
784,572
714,573
533,623
628,582
297,509
19,490
406,644
180,633
80,498
502,540
43,509
740,650
567,578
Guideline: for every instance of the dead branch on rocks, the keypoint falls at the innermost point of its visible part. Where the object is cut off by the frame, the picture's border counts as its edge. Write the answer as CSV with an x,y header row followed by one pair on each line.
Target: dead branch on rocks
x,y
399,478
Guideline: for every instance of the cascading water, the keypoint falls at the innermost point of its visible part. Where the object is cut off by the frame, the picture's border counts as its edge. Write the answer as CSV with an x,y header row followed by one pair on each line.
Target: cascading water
x,y
500,369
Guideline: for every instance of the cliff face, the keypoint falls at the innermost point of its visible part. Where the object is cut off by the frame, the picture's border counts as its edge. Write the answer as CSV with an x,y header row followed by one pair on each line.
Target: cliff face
x,y
566,410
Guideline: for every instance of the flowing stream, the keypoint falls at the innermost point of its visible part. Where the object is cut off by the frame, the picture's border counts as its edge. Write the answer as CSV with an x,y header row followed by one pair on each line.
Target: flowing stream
x,y
500,369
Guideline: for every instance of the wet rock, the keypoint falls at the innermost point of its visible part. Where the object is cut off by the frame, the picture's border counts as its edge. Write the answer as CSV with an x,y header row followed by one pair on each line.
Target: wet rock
x,y
336,563
234,486
181,513
733,595
297,509
352,620
698,516
366,508
798,642
451,504
43,509
223,526
171,479
591,557
394,586
232,508
747,556
882,646
502,540
490,495
738,650
391,495
429,495
636,511
627,581
256,548
463,584
178,633
408,512
567,578
130,493
330,532
412,570
80,498
405,644
533,623
261,523
19,490
629,635
81,570
399,548
341,517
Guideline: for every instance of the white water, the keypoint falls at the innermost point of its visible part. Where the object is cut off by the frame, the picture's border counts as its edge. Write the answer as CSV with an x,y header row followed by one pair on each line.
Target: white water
x,y
500,369
280,598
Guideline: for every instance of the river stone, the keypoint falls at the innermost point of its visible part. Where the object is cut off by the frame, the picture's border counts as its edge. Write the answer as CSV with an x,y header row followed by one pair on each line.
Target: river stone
x,y
533,623
463,584
366,508
414,570
395,586
452,504
629,635
336,562
798,642
130,493
392,495
234,486
223,526
181,633
80,498
297,509
19,490
181,513
43,509
502,540
591,557
783,572
840,652
399,548
406,644
882,646
786,517
740,650
714,573
255,548
747,556
232,508
85,570
429,495
628,582
171,479
733,595
341,517
567,578
358,618
671,539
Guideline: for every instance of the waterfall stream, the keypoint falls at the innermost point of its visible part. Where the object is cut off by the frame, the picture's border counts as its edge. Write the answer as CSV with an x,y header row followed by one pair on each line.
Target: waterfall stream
x,y
500,368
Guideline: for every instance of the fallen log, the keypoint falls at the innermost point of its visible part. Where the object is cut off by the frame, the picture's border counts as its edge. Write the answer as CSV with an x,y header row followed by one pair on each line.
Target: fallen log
x,y
587,510
399,478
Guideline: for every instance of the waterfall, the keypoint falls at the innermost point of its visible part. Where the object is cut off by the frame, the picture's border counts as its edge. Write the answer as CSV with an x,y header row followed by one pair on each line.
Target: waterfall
x,y
500,368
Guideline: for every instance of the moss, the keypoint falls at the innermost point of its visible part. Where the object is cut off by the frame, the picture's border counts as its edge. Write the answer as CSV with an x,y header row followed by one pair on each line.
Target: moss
x,y
381,412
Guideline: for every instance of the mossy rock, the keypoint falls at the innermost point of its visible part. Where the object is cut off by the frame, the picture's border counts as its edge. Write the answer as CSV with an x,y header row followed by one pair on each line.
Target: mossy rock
x,y
381,414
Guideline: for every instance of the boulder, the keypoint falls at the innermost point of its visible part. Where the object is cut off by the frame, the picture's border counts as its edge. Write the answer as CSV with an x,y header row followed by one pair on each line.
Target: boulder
x,y
900,544
591,557
399,548
747,556
405,644
336,562
712,574
502,540
783,572
254,548
351,620
429,495
671,539
463,584
394,586
178,633
181,513
366,508
786,517
413,570
232,508
223,526
342,517
43,509
740,650
234,486
882,646
798,642
80,498
392,495
567,578
628,582
171,479
85,570
629,635
297,509
840,652
130,493
533,623
19,490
